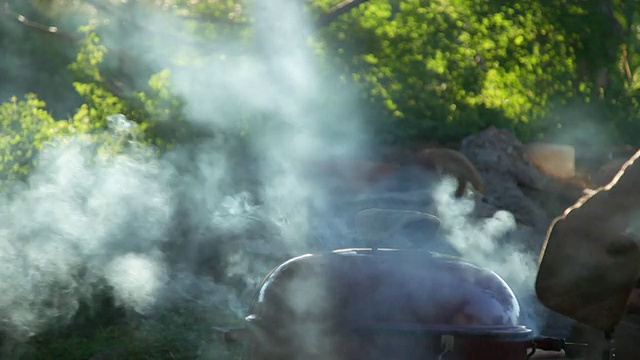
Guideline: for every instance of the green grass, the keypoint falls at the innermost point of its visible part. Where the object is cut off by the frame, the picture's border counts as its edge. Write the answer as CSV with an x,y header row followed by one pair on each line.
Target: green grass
x,y
180,334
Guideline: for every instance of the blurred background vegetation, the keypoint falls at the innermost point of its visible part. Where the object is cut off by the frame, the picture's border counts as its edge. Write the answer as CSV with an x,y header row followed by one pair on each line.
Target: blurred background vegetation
x,y
426,70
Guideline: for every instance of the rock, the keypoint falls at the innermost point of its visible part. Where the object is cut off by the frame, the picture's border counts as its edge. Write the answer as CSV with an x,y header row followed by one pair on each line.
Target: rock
x,y
554,160
609,258
605,174
500,158
597,222
499,152
514,184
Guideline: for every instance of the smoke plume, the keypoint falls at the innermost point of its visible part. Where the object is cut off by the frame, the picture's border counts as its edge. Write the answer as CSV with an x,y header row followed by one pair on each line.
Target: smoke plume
x,y
157,226
486,244
186,223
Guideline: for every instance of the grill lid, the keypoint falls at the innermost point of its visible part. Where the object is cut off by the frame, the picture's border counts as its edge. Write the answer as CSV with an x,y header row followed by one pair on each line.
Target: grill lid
x,y
388,290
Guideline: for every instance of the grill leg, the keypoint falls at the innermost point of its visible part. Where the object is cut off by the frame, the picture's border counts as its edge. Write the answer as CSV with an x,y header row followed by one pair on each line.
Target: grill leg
x,y
608,353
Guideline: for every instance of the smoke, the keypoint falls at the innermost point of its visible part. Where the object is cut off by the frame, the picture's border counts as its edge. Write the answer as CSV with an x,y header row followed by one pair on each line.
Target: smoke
x,y
582,126
160,227
81,216
185,224
486,243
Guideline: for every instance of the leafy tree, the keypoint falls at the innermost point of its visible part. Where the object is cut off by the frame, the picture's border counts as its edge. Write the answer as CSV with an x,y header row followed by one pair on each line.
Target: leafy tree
x,y
26,127
35,59
156,109
428,70
444,69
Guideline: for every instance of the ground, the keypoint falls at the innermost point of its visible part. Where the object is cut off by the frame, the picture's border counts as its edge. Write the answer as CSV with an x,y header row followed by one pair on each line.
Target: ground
x,y
180,334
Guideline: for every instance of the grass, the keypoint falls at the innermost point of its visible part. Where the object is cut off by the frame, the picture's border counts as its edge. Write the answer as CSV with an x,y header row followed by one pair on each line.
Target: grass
x,y
184,333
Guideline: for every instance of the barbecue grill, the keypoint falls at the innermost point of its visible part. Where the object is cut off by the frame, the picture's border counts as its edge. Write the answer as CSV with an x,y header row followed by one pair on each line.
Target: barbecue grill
x,y
381,303
385,304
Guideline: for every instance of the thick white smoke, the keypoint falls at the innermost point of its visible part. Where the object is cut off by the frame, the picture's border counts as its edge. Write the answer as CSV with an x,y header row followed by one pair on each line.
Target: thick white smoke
x,y
83,216
479,241
486,244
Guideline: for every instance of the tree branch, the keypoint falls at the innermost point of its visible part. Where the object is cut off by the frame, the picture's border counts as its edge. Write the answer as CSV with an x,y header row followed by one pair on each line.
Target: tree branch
x,y
330,16
48,30
5,11
338,10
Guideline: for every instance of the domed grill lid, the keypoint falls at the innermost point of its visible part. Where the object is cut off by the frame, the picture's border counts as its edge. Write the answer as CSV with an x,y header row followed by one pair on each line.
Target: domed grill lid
x,y
389,290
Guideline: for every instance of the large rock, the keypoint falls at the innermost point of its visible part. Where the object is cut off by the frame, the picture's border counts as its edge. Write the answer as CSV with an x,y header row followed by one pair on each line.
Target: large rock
x,y
512,183
605,225
605,174
500,158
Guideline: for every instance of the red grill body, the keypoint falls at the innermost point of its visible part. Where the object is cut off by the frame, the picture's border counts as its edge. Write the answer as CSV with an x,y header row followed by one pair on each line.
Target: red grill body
x,y
366,304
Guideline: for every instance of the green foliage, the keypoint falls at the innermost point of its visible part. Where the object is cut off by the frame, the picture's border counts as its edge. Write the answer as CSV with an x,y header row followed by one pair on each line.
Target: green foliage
x,y
222,18
26,127
177,334
91,55
444,69
435,70
155,109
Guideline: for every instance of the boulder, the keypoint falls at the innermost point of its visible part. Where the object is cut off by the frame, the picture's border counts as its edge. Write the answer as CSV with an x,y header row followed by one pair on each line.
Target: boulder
x,y
500,158
606,172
